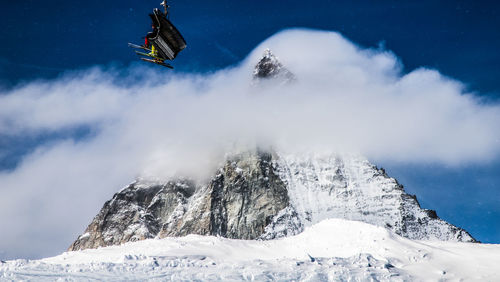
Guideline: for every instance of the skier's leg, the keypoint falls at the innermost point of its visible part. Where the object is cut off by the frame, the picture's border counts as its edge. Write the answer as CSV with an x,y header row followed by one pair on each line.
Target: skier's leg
x,y
153,50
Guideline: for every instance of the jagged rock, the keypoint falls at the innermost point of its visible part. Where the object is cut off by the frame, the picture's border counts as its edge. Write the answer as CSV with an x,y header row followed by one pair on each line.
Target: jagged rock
x,y
135,213
239,202
270,68
350,187
263,195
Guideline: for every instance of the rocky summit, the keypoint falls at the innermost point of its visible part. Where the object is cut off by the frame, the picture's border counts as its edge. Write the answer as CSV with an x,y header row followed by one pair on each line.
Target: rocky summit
x,y
264,194
270,68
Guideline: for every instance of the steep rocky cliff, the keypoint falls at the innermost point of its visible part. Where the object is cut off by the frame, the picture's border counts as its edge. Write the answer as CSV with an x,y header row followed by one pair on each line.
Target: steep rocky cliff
x,y
266,195
262,195
238,202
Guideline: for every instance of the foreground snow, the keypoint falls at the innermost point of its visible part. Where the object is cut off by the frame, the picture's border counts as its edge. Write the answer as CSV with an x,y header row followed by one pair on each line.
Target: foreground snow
x,y
330,250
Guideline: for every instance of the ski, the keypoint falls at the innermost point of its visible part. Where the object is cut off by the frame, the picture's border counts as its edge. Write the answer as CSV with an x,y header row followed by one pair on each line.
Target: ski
x,y
158,62
135,46
155,59
148,55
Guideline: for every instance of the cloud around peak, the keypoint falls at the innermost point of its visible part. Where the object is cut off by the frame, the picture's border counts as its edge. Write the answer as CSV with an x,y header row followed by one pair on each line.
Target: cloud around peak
x,y
156,123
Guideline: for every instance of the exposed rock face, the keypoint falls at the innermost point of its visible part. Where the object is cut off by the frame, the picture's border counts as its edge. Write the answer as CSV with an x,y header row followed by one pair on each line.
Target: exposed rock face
x,y
239,202
135,213
269,67
262,195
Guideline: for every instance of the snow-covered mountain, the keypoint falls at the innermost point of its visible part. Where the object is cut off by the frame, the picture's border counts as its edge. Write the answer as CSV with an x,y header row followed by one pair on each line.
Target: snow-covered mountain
x,y
269,215
262,195
266,194
350,187
332,250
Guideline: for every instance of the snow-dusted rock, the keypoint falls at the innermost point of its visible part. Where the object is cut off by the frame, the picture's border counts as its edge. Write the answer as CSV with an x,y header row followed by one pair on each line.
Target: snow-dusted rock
x,y
263,195
135,213
238,202
270,68
350,187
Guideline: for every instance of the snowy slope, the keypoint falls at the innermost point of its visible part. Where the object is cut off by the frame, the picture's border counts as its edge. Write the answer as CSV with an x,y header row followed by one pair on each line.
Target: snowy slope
x,y
348,186
332,249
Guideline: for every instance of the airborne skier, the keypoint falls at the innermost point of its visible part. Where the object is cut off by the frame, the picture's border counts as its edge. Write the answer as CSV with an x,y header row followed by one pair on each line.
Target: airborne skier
x,y
152,34
165,40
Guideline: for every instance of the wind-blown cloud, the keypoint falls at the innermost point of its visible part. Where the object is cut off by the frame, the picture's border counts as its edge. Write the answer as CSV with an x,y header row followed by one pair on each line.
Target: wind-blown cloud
x,y
346,98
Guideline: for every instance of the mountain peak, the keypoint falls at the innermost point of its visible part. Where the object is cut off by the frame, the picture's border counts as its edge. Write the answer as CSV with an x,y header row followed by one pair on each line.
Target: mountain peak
x,y
269,67
266,195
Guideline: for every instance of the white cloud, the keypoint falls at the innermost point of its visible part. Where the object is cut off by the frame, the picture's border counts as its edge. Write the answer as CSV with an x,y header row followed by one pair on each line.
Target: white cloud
x,y
346,98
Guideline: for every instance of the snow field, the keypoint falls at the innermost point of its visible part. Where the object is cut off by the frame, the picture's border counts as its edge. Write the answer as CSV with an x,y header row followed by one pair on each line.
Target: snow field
x,y
333,249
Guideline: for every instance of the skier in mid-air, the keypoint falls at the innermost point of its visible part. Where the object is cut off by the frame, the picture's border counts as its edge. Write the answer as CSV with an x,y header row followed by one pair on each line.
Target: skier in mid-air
x,y
152,34
164,42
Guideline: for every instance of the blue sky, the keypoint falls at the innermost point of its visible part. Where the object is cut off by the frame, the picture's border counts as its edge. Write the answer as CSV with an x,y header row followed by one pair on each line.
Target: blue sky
x,y
459,38
45,40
